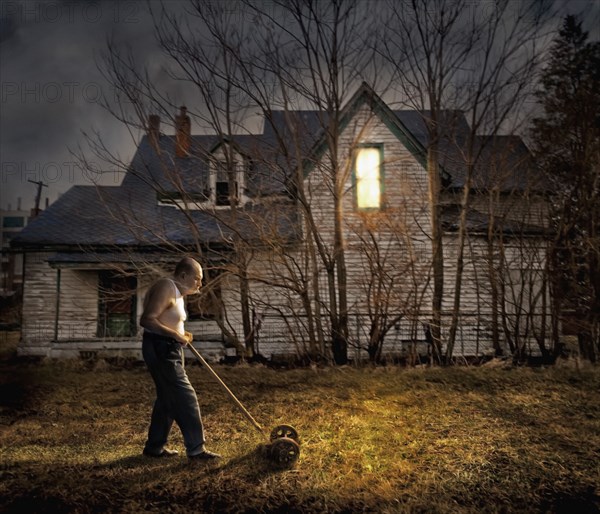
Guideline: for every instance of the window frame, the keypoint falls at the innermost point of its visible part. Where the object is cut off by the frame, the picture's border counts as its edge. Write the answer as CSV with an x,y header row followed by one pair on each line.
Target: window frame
x,y
381,178
218,169
108,300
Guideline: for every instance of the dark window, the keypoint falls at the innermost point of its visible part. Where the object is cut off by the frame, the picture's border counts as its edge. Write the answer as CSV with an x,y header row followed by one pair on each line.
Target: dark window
x,y
222,189
13,222
223,194
116,304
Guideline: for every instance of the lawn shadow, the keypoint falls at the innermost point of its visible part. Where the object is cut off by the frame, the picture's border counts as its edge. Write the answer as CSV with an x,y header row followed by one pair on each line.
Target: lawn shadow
x,y
544,436
254,464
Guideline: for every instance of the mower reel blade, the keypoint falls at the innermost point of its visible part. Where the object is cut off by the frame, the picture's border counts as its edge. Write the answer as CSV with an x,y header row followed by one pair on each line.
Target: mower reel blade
x,y
284,431
284,451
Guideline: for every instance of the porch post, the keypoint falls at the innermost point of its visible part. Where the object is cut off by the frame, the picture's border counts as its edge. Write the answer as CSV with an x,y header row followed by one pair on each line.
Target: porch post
x,y
57,302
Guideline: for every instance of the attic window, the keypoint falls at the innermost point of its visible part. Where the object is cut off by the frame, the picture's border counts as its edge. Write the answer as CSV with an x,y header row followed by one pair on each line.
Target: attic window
x,y
222,189
368,176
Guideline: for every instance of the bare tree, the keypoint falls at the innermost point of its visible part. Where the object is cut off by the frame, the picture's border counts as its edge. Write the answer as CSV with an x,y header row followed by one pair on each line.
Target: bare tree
x,y
394,282
298,55
450,58
299,66
316,61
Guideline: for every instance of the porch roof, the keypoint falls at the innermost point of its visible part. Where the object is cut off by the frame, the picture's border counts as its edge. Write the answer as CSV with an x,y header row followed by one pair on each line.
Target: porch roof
x,y
478,222
103,260
88,216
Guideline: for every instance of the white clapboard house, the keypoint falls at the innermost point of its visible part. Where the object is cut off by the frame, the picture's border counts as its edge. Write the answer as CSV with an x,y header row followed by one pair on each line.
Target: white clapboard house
x,y
90,256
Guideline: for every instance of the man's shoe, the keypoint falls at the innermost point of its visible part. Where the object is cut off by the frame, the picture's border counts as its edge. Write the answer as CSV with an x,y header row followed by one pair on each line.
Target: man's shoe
x,y
166,452
205,455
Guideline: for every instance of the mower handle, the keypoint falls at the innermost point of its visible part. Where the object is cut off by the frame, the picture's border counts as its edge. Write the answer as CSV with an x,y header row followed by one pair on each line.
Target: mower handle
x,y
233,397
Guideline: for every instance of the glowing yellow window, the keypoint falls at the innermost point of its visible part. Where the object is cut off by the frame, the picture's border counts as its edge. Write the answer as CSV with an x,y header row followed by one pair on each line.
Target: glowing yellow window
x,y
368,178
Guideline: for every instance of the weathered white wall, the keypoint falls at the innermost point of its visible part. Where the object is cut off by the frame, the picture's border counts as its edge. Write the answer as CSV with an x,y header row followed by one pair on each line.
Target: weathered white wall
x,y
400,231
39,305
78,305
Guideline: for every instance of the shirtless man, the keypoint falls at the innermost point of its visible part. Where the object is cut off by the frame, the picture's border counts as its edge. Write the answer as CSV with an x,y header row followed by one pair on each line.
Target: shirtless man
x,y
164,338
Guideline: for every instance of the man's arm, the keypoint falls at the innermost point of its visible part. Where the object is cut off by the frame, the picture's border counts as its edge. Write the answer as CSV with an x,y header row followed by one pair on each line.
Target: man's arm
x,y
160,298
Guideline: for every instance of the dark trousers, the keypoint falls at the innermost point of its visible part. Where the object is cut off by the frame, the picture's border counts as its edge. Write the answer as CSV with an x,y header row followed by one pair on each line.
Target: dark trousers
x,y
176,399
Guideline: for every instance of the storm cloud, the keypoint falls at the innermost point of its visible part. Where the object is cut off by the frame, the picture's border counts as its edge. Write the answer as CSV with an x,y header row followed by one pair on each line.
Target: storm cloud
x,y
51,90
51,87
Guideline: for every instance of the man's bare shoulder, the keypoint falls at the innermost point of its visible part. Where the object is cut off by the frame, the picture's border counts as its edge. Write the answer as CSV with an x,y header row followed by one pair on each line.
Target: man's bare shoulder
x,y
163,287
163,282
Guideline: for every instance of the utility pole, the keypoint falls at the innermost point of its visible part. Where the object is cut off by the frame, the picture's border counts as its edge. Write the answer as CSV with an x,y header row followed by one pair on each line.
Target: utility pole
x,y
40,184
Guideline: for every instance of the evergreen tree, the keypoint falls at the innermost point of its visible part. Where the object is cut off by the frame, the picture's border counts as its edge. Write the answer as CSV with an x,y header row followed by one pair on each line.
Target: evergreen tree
x,y
567,146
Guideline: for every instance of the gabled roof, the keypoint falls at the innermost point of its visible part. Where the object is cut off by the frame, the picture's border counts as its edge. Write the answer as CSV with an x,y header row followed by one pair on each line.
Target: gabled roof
x,y
505,165
88,216
504,161
130,215
291,135
364,95
78,217
169,174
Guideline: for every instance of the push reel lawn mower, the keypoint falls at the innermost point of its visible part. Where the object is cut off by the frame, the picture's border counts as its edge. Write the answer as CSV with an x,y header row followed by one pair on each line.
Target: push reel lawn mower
x,y
282,445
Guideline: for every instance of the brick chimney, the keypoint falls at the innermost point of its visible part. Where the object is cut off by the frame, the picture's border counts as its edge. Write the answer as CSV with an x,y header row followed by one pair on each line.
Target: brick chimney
x,y
183,133
154,130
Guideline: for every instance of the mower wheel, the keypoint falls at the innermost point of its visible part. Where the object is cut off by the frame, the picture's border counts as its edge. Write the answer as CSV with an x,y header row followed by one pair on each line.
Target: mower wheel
x,y
284,451
284,431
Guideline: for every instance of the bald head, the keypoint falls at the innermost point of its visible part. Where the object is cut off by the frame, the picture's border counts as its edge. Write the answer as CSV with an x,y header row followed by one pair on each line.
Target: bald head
x,y
186,265
188,275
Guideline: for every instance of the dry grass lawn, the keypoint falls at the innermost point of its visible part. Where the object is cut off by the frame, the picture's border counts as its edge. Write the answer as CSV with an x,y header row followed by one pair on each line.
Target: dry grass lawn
x,y
372,440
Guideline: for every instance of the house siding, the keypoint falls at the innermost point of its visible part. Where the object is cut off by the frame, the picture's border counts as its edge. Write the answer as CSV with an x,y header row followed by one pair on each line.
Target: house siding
x,y
398,229
39,305
519,273
76,332
397,233
529,209
78,305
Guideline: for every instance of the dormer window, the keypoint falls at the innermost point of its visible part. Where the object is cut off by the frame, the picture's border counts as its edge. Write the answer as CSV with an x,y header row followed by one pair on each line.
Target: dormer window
x,y
227,177
222,187
223,195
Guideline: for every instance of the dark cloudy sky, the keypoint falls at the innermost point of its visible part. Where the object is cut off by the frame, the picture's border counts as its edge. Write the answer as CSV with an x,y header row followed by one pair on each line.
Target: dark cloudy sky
x,y
51,89
50,86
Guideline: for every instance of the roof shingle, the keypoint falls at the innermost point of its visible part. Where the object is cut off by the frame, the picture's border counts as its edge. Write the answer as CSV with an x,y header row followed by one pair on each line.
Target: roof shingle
x,y
130,214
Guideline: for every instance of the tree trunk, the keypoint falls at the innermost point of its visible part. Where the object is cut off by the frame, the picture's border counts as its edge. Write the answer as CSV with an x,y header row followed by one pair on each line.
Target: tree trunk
x,y
245,308
436,250
460,262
